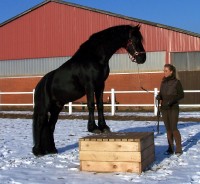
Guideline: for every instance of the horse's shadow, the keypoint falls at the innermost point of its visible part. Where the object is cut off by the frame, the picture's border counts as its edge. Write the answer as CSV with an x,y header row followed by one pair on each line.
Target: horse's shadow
x,y
68,147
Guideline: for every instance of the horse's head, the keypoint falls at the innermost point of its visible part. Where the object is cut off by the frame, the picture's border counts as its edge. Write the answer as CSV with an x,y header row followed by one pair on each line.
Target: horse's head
x,y
134,46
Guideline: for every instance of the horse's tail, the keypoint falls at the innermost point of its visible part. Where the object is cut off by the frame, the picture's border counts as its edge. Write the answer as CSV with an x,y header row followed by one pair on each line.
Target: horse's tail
x,y
42,92
40,95
39,110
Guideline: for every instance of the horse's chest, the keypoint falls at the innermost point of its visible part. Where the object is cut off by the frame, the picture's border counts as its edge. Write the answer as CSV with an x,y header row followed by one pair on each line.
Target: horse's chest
x,y
96,73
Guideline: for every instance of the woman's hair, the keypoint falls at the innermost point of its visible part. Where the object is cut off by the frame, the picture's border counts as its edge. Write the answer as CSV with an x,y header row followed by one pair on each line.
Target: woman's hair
x,y
171,68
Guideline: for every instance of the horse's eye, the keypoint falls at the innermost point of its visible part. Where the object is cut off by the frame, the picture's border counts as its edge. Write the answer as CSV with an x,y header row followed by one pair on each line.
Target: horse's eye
x,y
135,40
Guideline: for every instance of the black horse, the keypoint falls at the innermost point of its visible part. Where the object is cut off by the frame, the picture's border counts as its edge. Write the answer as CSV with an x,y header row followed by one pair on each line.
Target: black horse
x,y
84,74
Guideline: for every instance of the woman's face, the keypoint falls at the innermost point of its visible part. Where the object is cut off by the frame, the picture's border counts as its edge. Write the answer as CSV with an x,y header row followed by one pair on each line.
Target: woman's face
x,y
167,72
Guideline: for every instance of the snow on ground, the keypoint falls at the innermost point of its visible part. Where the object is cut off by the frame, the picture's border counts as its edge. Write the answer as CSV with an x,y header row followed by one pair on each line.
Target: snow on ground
x,y
194,114
19,166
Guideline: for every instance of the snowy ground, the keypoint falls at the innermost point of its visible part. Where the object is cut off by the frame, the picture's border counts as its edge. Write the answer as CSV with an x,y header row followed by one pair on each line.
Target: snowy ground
x,y
182,114
19,166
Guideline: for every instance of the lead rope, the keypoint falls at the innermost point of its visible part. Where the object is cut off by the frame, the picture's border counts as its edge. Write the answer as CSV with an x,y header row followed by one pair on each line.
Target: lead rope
x,y
140,80
157,104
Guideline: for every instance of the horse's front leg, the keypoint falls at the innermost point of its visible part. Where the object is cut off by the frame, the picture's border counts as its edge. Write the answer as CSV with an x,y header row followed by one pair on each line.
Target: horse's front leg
x,y
99,101
92,127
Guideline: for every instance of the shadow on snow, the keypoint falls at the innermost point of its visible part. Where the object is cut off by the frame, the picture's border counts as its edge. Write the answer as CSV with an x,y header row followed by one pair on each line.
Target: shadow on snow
x,y
159,149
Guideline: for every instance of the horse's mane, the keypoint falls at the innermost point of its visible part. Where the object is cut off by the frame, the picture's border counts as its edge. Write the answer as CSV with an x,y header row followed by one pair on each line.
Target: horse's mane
x,y
120,32
109,32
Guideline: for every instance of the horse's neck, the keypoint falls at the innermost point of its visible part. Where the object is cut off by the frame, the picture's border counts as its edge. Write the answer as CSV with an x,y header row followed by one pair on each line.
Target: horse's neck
x,y
102,49
116,41
112,46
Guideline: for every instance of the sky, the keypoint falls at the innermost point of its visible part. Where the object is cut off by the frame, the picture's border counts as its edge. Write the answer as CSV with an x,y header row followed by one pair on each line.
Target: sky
x,y
183,14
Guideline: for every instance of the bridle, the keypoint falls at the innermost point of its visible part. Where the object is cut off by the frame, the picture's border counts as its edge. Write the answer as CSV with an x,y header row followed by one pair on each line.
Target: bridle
x,y
136,53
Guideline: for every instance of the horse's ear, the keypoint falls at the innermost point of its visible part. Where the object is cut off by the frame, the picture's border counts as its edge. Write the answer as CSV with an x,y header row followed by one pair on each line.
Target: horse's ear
x,y
138,26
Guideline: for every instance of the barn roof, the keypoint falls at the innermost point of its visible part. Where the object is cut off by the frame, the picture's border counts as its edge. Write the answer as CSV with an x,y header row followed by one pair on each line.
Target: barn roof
x,y
102,12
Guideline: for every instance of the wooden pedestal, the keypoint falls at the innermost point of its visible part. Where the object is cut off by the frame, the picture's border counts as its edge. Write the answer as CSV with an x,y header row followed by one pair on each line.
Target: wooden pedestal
x,y
117,152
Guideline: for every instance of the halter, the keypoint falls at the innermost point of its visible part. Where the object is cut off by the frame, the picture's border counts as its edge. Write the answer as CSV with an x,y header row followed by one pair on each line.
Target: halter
x,y
136,53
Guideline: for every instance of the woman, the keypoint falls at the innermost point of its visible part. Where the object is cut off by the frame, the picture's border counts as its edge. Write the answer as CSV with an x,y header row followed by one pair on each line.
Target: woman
x,y
171,91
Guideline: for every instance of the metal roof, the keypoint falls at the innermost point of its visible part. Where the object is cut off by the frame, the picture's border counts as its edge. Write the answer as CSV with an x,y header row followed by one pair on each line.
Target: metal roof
x,y
103,12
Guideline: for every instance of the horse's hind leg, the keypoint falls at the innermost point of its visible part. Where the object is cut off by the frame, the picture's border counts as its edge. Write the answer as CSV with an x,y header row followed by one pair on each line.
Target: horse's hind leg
x,y
54,112
47,139
43,134
40,120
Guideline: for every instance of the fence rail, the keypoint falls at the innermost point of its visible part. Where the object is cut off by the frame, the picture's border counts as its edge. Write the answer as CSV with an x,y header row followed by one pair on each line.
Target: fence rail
x,y
113,105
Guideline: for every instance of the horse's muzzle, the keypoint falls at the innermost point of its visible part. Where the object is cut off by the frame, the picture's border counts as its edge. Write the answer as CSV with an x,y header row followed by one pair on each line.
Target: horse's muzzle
x,y
138,57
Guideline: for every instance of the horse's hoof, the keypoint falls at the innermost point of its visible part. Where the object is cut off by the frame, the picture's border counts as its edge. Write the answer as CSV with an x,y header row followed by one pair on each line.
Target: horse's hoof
x,y
37,152
106,130
96,131
53,151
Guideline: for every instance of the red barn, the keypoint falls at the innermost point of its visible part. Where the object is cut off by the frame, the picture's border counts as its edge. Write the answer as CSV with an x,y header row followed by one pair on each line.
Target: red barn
x,y
42,38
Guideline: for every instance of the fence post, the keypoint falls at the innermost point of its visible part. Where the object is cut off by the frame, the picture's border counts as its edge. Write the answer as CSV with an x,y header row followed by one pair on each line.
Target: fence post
x,y
0,101
70,108
112,102
155,101
33,98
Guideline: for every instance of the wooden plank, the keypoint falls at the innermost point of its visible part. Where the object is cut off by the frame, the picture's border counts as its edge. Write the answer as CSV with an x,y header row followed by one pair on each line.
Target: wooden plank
x,y
136,167
144,135
93,166
99,140
148,151
150,159
133,136
109,146
116,156
105,139
111,140
86,139
110,156
145,143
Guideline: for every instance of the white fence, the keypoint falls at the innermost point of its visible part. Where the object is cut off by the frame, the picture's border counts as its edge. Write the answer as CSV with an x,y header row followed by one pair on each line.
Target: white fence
x,y
113,105
17,93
